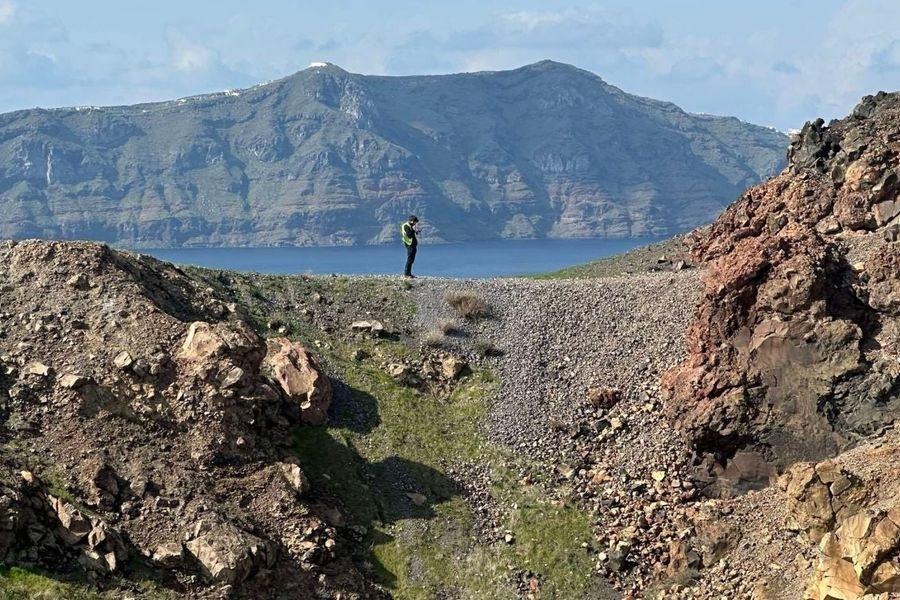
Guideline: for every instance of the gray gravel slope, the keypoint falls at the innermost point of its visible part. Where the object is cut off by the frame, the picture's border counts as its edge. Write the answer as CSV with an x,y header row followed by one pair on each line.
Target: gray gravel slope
x,y
562,337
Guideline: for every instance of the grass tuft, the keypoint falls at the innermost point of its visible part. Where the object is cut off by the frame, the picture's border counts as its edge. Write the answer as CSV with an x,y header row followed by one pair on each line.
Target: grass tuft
x,y
467,305
448,327
435,339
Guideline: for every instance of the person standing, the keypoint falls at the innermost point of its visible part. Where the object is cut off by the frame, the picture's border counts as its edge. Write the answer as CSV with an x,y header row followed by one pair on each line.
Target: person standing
x,y
408,232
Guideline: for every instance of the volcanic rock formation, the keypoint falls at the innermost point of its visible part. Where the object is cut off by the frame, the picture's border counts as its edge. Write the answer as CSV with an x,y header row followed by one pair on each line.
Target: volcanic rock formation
x,y
794,348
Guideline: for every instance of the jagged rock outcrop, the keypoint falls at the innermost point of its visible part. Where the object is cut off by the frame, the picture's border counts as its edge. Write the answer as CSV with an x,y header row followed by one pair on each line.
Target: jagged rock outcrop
x,y
819,496
848,509
36,526
861,558
793,351
330,157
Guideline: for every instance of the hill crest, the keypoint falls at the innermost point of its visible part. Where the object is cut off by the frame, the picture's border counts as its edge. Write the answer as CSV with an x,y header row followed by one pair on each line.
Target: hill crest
x,y
325,156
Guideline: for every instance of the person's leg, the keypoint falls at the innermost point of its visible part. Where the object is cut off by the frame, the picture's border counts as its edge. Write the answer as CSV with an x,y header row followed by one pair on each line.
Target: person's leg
x,y
410,258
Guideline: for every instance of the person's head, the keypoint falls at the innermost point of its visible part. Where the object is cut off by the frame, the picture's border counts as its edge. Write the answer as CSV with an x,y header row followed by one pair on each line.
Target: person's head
x,y
413,219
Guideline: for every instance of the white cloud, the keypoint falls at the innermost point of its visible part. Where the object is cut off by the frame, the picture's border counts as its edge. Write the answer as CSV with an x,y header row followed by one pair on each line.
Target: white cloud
x,y
778,70
532,19
193,57
592,38
7,11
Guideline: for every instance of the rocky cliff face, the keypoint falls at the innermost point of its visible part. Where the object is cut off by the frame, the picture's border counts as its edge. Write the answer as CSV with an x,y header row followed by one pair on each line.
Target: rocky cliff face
x,y
794,348
330,157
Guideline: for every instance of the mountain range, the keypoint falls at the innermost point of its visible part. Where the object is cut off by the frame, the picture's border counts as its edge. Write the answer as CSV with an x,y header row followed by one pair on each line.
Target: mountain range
x,y
328,157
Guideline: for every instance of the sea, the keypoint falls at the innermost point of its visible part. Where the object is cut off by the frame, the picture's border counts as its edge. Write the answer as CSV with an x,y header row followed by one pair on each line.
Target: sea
x,y
495,258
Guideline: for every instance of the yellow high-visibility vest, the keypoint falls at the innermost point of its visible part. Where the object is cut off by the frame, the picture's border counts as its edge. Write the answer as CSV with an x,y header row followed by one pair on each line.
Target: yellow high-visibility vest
x,y
407,238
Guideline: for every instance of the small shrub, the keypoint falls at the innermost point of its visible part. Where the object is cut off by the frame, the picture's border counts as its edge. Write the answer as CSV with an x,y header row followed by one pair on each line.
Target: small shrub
x,y
448,326
487,348
467,305
434,338
558,425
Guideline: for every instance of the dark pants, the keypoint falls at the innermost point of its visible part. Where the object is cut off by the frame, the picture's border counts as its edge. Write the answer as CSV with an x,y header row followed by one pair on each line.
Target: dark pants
x,y
410,259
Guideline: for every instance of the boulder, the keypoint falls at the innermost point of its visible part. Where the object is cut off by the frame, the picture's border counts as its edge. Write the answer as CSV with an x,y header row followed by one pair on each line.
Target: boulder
x,y
73,381
715,539
105,548
223,353
604,397
403,374
79,281
202,343
452,367
859,559
73,526
232,377
233,339
373,327
681,559
123,360
169,555
227,554
294,475
101,562
300,378
36,368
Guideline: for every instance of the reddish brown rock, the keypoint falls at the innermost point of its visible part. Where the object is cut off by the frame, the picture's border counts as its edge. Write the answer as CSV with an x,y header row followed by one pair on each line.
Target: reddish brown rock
x,y
604,397
793,351
300,377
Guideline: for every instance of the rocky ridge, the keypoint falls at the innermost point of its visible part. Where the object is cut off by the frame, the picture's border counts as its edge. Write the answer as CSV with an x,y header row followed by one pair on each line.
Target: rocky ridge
x,y
142,420
328,157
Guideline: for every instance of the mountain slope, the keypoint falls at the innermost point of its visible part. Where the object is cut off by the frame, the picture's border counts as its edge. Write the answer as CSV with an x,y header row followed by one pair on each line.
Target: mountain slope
x,y
330,157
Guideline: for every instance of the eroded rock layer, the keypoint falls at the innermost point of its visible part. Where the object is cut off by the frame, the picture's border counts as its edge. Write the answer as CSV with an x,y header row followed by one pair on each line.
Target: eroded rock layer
x,y
327,157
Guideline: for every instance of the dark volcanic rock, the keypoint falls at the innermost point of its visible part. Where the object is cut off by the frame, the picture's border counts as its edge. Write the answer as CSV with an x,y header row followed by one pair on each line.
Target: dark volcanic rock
x,y
793,351
330,157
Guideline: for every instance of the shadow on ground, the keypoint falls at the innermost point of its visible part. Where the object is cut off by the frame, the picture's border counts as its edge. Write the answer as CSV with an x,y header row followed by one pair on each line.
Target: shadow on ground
x,y
370,495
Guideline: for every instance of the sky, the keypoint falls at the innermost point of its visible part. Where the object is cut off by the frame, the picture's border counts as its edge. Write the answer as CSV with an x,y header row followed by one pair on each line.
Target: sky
x,y
776,63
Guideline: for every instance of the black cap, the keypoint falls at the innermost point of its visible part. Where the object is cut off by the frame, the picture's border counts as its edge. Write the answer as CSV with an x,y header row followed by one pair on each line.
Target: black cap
x,y
413,219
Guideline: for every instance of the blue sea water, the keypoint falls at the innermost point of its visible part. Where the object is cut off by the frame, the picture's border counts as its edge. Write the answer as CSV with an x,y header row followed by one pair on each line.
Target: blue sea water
x,y
495,258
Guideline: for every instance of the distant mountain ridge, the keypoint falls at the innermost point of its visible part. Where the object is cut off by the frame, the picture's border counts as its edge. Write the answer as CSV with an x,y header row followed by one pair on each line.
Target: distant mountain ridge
x,y
330,157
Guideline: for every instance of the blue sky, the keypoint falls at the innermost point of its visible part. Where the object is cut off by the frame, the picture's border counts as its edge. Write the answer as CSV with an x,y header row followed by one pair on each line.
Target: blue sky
x,y
775,63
